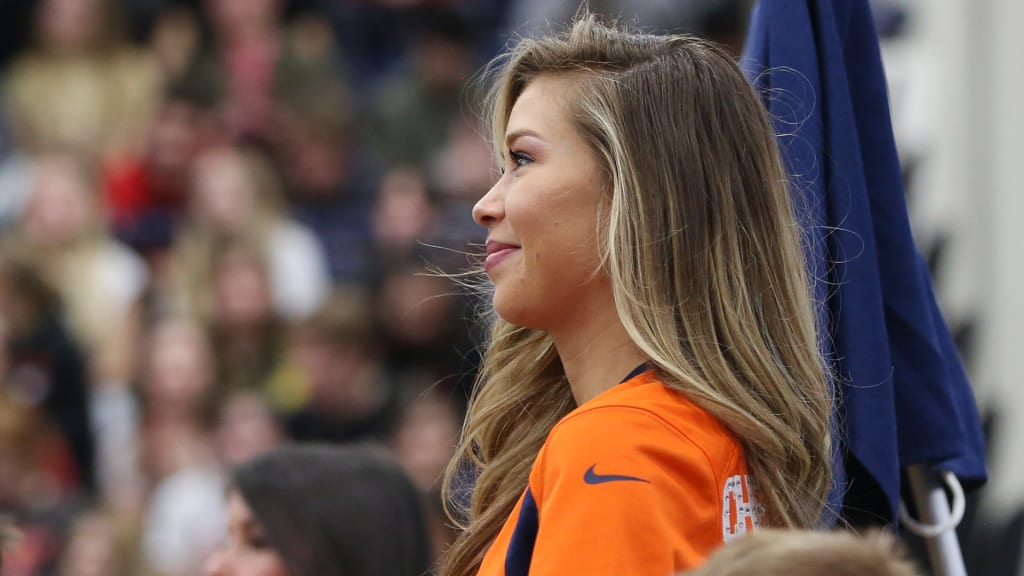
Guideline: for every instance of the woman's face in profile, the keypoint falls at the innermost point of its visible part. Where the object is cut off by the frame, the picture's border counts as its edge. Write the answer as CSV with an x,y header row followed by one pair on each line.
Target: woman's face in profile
x,y
542,215
246,550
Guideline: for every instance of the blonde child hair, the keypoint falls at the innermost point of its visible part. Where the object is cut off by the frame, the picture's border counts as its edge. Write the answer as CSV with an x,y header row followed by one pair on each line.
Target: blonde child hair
x,y
809,553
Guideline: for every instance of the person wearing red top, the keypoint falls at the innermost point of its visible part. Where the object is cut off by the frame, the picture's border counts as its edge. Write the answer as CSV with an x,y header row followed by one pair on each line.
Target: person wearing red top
x,y
652,385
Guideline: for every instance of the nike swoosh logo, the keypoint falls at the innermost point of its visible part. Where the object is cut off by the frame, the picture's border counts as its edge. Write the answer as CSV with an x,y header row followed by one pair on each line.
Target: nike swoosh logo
x,y
592,477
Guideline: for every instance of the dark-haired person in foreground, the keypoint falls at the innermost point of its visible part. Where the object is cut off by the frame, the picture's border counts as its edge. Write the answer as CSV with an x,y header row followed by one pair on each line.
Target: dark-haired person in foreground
x,y
320,511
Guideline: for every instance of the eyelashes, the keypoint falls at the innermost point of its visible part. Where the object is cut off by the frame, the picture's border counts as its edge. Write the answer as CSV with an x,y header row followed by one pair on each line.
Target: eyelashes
x,y
516,159
519,159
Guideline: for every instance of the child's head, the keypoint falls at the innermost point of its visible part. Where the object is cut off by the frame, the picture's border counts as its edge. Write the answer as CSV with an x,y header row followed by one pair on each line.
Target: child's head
x,y
807,553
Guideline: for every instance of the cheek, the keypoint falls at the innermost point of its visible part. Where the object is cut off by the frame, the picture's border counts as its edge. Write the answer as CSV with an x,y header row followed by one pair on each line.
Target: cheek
x,y
555,272
244,560
559,239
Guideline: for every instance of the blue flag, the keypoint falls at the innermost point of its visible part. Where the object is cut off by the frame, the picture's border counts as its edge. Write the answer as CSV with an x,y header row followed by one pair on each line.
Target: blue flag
x,y
902,395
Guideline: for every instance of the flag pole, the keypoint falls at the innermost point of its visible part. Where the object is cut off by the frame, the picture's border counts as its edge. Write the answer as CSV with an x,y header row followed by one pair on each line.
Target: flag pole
x,y
940,521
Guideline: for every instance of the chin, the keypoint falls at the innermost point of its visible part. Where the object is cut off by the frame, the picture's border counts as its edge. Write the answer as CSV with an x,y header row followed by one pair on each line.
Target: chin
x,y
514,311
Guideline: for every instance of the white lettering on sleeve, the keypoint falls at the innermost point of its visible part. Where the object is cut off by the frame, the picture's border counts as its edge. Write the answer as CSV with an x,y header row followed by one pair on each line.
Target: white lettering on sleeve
x,y
741,511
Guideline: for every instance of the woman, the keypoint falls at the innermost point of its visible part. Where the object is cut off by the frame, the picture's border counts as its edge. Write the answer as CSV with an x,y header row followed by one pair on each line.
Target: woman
x,y
100,280
652,385
318,511
236,196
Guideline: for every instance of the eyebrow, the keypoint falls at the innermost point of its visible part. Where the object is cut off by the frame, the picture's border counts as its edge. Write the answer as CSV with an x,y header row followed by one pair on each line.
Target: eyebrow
x,y
513,136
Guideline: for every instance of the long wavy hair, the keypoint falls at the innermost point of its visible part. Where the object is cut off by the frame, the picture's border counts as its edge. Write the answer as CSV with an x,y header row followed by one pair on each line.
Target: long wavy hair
x,y
704,252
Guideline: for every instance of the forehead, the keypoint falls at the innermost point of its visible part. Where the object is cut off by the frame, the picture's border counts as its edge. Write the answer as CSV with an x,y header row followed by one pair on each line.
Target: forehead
x,y
543,105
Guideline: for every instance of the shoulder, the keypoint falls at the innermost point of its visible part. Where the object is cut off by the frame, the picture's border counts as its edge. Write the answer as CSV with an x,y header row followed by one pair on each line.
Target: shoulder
x,y
645,411
643,430
293,246
134,69
119,271
293,233
130,58
643,476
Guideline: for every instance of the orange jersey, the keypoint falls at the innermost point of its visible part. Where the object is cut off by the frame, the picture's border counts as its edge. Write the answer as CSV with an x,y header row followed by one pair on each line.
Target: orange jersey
x,y
638,480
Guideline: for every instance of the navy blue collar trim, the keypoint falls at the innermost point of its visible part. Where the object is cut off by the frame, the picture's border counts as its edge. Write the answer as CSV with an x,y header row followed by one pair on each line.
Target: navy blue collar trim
x,y
636,372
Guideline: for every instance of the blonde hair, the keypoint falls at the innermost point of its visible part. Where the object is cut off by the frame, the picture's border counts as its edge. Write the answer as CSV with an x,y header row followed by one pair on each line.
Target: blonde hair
x,y
806,553
704,255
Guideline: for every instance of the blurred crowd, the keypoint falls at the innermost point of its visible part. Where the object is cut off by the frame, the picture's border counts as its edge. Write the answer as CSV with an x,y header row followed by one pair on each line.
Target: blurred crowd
x,y
226,225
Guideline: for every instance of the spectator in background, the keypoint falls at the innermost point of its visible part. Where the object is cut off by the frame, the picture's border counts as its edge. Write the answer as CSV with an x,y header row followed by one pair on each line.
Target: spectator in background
x,y
182,522
404,217
100,280
424,442
328,178
247,334
191,439
34,490
179,392
413,109
428,430
101,283
97,546
45,369
239,65
377,37
723,21
236,196
181,134
246,428
419,315
81,85
253,62
323,511
147,194
36,465
175,40
351,395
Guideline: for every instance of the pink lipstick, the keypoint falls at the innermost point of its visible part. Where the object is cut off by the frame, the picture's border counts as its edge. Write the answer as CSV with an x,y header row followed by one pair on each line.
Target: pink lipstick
x,y
498,252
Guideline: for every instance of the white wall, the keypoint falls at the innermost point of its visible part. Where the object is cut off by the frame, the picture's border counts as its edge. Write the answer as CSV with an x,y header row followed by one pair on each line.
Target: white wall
x,y
966,117
1001,369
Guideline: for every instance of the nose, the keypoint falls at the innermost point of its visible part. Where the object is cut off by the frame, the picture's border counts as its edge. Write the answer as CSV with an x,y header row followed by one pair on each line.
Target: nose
x,y
490,209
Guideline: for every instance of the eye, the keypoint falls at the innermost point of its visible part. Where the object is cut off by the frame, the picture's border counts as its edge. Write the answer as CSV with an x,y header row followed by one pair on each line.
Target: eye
x,y
259,542
255,538
519,159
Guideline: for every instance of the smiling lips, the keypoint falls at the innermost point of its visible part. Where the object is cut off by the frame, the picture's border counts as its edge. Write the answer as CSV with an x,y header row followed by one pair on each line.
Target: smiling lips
x,y
497,252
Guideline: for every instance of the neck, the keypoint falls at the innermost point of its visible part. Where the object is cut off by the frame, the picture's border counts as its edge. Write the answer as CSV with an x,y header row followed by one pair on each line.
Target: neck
x,y
596,353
